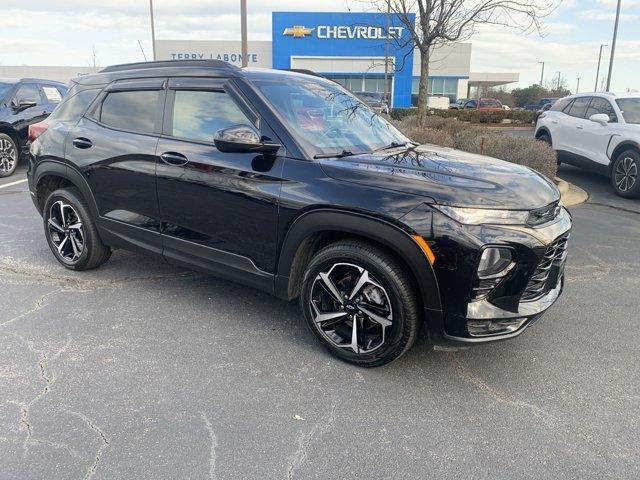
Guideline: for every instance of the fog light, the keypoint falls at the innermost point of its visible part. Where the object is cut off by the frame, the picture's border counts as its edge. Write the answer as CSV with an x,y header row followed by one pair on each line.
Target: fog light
x,y
480,328
495,263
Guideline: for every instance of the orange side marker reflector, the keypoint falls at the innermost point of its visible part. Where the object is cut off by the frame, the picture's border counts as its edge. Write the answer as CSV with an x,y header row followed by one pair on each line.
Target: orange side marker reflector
x,y
424,246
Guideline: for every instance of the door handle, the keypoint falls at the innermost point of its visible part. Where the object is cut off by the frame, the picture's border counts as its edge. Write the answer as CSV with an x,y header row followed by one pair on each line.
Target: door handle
x,y
580,128
174,158
555,122
82,142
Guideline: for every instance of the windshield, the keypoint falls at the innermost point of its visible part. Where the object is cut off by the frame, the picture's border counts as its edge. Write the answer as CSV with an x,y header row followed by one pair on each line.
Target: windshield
x,y
490,103
326,118
630,108
4,89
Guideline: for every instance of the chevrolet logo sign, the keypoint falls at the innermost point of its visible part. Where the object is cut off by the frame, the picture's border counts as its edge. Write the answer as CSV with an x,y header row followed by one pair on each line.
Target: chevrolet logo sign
x,y
297,31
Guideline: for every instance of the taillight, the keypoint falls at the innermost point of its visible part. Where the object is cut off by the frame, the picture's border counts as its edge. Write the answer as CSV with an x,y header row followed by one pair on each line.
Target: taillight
x,y
37,129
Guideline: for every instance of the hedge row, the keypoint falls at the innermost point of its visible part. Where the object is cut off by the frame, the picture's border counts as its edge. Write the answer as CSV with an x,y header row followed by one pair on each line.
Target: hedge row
x,y
448,132
473,116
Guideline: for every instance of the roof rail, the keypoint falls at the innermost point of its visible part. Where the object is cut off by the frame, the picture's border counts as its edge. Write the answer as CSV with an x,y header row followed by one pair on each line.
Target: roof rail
x,y
219,64
33,79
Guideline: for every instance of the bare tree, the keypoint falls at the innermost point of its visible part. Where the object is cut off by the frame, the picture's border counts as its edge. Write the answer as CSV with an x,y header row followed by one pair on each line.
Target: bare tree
x,y
445,21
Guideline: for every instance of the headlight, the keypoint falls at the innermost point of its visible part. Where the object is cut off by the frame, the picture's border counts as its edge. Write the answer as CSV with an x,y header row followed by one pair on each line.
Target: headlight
x,y
480,216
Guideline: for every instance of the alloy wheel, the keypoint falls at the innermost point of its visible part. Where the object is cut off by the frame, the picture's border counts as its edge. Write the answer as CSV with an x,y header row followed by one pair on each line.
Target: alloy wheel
x,y
8,156
65,231
350,308
626,174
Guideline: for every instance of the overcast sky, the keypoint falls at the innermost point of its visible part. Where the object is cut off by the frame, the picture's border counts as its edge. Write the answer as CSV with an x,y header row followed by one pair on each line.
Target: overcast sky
x,y
41,32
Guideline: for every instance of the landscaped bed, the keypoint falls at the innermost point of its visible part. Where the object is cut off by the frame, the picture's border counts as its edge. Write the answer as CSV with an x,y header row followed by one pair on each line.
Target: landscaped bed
x,y
448,132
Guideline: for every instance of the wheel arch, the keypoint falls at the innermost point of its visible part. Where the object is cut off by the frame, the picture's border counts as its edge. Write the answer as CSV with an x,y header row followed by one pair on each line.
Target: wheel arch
x,y
621,147
318,228
49,175
542,131
7,129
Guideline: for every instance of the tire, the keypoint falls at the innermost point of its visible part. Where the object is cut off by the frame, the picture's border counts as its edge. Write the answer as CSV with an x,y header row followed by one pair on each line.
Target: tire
x,y
9,155
625,174
385,305
546,138
71,231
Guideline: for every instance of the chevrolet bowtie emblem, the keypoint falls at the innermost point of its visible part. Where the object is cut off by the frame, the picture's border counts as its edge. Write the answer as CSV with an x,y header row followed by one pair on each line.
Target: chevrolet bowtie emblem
x,y
297,31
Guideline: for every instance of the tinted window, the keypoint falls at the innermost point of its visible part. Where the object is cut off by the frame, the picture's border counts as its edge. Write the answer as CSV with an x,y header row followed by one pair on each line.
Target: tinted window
x,y
74,106
5,88
560,105
134,111
28,93
199,115
579,107
490,103
601,105
630,108
471,104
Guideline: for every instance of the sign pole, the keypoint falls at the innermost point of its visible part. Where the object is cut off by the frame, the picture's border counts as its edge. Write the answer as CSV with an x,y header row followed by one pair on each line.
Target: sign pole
x,y
243,28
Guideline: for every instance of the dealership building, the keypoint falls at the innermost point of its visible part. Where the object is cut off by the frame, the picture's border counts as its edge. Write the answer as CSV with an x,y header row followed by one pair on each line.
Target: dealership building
x,y
350,48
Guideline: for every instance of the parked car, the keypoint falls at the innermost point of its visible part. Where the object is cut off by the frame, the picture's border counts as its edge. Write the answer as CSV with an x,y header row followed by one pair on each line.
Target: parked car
x,y
22,103
600,132
547,107
487,104
540,104
374,100
458,104
285,182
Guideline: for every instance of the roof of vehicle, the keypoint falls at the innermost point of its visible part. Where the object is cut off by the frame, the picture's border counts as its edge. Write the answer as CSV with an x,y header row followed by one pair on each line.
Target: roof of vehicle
x,y
609,95
9,80
185,68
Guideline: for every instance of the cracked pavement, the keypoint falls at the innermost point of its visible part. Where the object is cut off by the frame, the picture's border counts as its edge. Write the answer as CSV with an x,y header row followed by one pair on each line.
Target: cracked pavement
x,y
142,370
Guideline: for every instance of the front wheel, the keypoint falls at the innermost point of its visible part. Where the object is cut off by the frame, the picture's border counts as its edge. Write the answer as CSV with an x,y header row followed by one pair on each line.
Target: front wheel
x,y
624,174
71,232
360,302
9,153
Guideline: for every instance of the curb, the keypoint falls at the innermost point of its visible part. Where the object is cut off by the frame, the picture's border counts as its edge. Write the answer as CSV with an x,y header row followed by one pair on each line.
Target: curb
x,y
570,194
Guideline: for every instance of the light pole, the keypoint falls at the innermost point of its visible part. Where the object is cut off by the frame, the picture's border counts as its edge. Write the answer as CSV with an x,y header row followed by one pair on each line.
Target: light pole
x,y
578,86
613,45
542,74
243,30
153,30
559,76
599,60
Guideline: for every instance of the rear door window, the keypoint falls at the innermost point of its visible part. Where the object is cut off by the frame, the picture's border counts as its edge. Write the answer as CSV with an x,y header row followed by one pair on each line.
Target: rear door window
x,y
560,105
135,111
579,107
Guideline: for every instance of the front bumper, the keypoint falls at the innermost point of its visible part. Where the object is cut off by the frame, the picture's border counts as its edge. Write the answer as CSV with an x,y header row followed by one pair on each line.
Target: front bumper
x,y
506,312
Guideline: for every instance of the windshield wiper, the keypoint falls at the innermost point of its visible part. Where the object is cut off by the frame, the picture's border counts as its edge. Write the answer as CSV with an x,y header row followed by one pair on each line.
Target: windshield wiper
x,y
343,153
409,145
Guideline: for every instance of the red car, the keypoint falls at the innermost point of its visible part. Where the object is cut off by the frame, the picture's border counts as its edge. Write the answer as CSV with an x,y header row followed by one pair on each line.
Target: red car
x,y
483,104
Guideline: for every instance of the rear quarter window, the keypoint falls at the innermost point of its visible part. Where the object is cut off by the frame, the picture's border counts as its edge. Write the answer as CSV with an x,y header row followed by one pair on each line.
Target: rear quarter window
x,y
73,106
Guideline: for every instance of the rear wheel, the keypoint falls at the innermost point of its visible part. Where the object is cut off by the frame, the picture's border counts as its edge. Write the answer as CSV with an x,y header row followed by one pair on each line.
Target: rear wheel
x,y
71,232
625,174
360,302
8,155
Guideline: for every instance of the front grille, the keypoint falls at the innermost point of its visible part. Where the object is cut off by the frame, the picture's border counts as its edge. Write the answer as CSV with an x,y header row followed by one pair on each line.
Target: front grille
x,y
542,280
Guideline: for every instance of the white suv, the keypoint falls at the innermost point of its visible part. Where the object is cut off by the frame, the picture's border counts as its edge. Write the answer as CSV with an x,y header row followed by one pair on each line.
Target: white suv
x,y
598,131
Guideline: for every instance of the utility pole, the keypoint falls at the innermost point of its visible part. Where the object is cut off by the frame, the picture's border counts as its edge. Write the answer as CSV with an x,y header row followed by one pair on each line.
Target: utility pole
x,y
598,72
578,86
243,29
386,57
542,75
559,76
613,45
153,30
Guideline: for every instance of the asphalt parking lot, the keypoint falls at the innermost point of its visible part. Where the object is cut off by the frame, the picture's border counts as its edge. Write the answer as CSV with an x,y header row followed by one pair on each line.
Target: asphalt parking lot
x,y
142,370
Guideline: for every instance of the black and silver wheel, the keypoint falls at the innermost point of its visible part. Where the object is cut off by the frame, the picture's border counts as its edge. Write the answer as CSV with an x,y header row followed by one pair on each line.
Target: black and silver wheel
x,y
360,303
624,174
71,232
8,155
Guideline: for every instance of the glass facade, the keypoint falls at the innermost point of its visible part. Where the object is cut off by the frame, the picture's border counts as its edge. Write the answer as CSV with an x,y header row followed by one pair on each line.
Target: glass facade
x,y
437,86
359,83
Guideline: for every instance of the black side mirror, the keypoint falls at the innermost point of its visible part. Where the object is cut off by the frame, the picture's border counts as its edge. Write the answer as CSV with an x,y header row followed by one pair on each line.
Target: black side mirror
x,y
243,139
22,105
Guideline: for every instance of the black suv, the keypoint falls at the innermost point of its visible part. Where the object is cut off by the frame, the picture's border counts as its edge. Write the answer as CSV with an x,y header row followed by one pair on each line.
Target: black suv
x,y
288,183
22,103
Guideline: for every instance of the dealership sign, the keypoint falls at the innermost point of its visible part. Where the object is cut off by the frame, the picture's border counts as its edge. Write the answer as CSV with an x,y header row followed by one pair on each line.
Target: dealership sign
x,y
345,32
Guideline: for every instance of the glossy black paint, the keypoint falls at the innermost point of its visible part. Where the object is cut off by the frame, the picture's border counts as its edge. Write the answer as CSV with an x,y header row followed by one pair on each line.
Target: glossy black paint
x,y
15,121
256,218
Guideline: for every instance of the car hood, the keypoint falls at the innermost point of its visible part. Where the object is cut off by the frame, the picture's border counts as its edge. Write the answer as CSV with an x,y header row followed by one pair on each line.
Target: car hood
x,y
448,177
